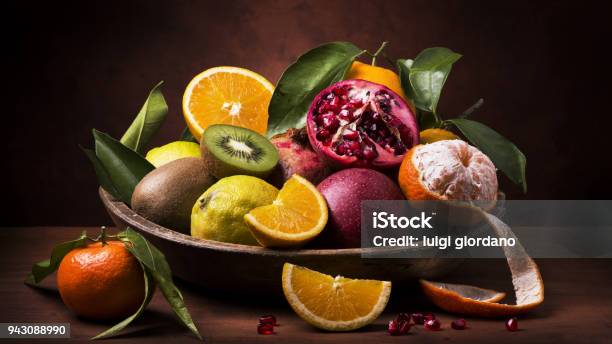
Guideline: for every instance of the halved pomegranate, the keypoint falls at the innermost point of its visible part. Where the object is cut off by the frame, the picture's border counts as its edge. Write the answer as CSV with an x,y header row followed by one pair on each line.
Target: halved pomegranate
x,y
357,123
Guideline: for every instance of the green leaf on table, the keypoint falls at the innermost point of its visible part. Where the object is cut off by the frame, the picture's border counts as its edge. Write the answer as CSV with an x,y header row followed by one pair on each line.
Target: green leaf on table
x,y
46,267
147,122
155,262
304,79
124,167
186,135
504,154
149,291
103,177
427,74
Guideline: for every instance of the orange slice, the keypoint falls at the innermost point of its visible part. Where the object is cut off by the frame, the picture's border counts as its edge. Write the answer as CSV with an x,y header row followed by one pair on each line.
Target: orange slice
x,y
297,215
334,303
474,301
227,95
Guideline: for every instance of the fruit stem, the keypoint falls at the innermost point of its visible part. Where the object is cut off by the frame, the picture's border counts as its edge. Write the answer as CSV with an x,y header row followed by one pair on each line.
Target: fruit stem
x,y
380,50
472,108
102,237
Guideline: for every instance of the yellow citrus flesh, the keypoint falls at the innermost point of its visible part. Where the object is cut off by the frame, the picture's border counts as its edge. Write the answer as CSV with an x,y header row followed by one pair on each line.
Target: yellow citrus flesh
x,y
334,303
227,95
297,215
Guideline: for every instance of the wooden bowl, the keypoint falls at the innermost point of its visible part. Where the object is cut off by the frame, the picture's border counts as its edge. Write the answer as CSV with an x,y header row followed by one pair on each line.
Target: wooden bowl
x,y
257,270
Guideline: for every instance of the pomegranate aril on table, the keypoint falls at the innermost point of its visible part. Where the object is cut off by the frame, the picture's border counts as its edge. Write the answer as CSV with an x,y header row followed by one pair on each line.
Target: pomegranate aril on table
x,y
512,324
459,324
432,324
393,328
265,329
268,319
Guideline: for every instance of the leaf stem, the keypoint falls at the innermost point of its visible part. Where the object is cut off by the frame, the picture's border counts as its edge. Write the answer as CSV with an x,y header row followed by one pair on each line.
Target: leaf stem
x,y
380,50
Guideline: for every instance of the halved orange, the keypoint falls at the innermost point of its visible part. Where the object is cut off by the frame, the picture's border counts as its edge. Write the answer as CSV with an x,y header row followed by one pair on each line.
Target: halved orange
x,y
298,214
227,95
334,303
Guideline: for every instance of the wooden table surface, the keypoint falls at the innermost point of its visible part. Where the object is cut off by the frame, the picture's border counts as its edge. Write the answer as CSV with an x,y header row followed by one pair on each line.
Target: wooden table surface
x,y
578,305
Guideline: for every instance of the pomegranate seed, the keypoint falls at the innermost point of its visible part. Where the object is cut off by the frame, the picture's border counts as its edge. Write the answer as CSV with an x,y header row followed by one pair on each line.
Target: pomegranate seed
x,y
341,149
322,134
356,103
353,146
339,91
393,328
334,104
369,153
404,328
459,324
350,135
265,329
268,319
346,115
330,122
418,318
512,324
402,317
432,324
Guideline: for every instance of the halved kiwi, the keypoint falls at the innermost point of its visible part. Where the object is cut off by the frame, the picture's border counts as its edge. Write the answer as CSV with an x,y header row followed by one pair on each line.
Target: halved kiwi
x,y
229,150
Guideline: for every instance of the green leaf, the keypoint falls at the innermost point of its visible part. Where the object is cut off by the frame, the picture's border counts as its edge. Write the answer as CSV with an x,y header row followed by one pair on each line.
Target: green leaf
x,y
44,268
148,121
155,262
427,75
149,290
304,79
504,154
425,119
186,135
103,177
124,167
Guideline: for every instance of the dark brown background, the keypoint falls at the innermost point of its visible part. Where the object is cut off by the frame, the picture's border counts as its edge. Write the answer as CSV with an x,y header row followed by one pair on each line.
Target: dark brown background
x,y
541,67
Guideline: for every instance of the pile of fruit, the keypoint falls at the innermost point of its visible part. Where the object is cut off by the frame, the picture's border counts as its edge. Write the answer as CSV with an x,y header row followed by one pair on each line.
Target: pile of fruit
x,y
361,141
288,166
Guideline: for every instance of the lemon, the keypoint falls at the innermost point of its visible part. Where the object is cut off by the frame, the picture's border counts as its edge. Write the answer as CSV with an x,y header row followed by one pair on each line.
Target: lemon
x,y
298,214
218,214
334,303
172,151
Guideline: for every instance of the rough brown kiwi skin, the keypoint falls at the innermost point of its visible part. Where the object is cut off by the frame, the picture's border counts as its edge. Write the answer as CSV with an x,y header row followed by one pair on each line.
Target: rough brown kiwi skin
x,y
167,194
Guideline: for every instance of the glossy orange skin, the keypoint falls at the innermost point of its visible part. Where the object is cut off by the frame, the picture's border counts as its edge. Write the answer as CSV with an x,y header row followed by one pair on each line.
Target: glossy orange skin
x,y
409,180
101,281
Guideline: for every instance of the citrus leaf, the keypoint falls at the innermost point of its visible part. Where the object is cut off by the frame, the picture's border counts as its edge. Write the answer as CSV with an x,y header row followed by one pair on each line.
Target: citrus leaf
x,y
149,290
44,268
427,75
155,262
103,177
124,167
186,135
426,120
148,121
304,79
504,154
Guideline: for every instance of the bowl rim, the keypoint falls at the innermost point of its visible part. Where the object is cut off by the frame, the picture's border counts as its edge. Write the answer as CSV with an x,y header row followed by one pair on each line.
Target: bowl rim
x,y
126,214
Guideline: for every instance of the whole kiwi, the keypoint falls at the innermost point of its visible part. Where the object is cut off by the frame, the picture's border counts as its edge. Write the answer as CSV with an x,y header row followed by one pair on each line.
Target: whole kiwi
x,y
167,194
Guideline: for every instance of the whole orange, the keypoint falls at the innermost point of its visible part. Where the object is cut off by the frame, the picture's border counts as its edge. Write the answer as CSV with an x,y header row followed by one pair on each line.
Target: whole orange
x,y
101,281
379,75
